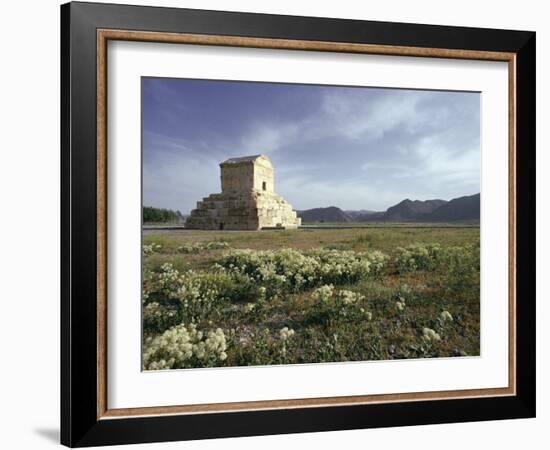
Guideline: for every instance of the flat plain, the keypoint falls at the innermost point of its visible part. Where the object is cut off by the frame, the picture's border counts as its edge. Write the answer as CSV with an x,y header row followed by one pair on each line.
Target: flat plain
x,y
319,294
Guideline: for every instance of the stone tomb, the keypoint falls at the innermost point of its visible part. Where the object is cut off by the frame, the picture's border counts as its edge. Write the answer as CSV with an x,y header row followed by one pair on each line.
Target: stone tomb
x,y
247,201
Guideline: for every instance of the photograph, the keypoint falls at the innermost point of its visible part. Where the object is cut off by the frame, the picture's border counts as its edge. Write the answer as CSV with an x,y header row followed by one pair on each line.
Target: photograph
x,y
299,223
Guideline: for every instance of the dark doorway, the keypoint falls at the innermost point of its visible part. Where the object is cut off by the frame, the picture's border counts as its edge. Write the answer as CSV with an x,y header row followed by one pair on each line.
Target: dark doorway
x,y
221,225
264,186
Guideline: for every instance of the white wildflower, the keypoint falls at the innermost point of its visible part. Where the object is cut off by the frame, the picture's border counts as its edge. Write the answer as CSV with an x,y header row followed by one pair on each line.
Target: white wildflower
x,y
178,345
323,293
349,297
286,333
430,335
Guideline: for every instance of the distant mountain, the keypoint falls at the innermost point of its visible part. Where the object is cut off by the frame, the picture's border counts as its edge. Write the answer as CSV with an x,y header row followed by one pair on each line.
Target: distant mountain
x,y
371,216
359,213
465,208
330,214
412,210
459,209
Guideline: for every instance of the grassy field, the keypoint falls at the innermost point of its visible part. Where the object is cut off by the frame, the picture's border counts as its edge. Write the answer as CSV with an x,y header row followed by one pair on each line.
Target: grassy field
x,y
389,225
223,298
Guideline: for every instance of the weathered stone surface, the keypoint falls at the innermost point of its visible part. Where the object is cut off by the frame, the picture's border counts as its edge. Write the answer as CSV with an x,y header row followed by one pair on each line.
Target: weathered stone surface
x,y
247,200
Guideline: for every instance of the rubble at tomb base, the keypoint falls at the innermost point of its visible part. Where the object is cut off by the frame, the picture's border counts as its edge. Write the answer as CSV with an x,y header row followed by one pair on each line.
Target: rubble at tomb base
x,y
247,200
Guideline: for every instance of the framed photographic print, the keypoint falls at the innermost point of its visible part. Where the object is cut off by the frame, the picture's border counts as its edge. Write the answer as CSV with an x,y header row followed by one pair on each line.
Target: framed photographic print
x,y
276,224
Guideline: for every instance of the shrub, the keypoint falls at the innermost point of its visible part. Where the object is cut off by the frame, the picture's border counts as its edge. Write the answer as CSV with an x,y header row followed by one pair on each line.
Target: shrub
x,y
333,305
430,335
295,271
378,261
462,266
197,293
198,247
458,261
417,257
184,346
157,317
149,249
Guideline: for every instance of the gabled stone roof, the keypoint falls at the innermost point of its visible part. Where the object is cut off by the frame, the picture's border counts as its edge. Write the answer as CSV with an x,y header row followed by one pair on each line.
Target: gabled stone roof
x,y
242,159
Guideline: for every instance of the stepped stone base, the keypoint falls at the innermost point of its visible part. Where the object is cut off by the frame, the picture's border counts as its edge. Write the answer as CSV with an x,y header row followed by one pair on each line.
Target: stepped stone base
x,y
253,210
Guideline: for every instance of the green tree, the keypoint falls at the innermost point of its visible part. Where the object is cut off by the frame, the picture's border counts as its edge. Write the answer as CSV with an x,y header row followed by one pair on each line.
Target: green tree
x,y
161,215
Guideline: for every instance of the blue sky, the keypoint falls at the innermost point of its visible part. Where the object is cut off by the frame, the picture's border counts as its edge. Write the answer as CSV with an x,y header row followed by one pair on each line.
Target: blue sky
x,y
355,148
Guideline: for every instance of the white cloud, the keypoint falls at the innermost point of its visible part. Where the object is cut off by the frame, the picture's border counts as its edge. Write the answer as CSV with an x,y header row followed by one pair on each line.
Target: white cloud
x,y
355,118
267,138
386,146
342,114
